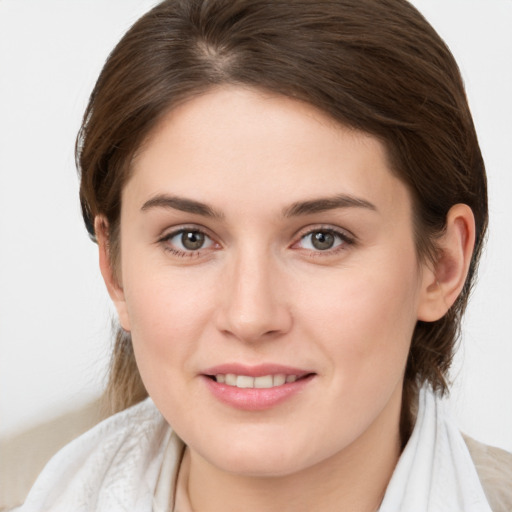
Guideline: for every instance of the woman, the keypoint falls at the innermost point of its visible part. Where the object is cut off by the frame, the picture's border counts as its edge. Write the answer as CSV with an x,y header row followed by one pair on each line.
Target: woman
x,y
290,203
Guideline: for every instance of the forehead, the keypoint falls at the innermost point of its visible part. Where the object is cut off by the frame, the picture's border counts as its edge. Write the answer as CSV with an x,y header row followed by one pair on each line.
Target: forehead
x,y
245,144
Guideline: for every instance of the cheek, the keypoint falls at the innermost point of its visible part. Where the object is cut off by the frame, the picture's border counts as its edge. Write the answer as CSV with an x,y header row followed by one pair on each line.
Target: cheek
x,y
363,324
365,317
167,323
168,313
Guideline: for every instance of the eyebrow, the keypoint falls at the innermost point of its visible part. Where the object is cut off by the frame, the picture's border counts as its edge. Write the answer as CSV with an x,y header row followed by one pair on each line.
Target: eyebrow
x,y
325,204
183,204
295,210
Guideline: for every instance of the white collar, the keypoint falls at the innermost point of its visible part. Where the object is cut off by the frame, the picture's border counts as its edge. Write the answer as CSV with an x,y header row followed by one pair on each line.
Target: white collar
x,y
435,472
131,461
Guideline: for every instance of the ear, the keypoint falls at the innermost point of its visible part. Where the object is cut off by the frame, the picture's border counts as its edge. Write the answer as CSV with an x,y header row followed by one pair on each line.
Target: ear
x,y
110,276
443,282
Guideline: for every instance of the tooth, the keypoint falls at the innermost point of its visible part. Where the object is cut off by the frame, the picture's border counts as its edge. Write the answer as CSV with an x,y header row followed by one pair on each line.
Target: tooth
x,y
230,379
244,381
263,382
279,379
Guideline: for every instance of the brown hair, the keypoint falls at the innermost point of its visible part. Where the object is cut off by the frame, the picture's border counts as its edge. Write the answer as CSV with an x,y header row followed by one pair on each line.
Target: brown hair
x,y
374,65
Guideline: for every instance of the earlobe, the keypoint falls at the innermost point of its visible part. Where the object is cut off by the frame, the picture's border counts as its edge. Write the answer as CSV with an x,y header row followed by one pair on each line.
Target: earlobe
x,y
443,281
110,276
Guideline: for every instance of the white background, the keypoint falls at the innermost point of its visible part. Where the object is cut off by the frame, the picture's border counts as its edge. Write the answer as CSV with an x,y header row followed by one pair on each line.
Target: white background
x,y
54,312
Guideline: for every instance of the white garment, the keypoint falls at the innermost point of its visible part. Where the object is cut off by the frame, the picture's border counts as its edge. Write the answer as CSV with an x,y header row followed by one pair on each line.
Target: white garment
x,y
435,472
113,467
129,463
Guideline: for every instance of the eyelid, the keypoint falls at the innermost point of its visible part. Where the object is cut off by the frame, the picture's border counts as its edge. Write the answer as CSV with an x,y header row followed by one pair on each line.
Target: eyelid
x,y
346,236
170,233
312,228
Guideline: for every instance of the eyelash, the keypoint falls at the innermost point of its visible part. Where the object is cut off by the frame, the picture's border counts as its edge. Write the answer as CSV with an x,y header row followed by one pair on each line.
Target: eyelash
x,y
345,240
181,253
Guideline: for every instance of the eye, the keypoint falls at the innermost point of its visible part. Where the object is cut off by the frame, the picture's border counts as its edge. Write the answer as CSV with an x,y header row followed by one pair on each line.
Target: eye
x,y
323,240
187,241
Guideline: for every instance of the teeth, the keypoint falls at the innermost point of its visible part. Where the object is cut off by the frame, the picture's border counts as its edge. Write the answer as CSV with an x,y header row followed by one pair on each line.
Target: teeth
x,y
280,379
230,379
242,381
265,381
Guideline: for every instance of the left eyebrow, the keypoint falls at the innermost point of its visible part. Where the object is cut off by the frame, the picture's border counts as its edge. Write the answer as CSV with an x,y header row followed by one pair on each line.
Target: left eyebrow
x,y
181,203
325,204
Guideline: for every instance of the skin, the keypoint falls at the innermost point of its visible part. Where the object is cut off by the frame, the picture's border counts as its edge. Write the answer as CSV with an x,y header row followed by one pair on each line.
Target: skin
x,y
258,291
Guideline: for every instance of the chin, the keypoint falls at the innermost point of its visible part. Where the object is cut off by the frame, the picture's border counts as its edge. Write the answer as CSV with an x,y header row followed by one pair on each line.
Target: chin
x,y
252,458
256,466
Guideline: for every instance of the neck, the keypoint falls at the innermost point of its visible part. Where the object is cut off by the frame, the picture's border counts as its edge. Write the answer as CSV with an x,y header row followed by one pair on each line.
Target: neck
x,y
353,479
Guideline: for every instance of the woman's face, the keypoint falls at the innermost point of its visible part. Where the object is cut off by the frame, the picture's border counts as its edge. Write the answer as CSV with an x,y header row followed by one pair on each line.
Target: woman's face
x,y
270,282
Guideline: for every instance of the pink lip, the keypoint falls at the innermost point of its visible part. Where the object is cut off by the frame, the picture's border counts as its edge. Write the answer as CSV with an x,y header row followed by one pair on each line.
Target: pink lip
x,y
255,371
255,399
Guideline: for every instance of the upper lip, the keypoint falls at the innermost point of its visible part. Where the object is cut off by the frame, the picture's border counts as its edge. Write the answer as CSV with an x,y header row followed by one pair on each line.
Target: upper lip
x,y
255,370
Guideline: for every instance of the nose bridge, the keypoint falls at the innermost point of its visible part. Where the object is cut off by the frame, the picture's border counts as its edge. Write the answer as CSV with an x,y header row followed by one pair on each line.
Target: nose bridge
x,y
253,307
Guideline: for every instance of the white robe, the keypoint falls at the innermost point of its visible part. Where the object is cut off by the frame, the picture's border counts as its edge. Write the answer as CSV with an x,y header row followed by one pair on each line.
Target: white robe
x,y
130,462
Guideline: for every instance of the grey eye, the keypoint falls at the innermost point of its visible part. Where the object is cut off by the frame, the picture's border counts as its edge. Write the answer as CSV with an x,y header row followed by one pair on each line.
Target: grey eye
x,y
188,240
322,240
192,240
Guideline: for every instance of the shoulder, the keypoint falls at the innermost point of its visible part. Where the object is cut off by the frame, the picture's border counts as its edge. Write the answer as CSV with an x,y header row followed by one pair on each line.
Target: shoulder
x,y
111,467
494,468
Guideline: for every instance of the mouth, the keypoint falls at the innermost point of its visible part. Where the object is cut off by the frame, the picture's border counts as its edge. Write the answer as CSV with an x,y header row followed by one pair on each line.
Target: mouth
x,y
256,388
261,382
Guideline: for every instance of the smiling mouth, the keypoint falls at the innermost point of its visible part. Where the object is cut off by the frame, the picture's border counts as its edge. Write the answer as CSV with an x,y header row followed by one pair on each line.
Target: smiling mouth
x,y
262,382
256,388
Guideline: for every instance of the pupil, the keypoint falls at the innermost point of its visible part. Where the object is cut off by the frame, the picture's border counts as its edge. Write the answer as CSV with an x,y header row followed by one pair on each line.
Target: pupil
x,y
192,240
322,240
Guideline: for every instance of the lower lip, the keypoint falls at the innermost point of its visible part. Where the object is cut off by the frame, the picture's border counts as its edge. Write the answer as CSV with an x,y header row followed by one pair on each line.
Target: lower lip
x,y
255,399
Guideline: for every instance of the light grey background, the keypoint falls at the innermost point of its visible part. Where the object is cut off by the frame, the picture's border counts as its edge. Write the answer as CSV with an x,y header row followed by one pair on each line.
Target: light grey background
x,y
54,312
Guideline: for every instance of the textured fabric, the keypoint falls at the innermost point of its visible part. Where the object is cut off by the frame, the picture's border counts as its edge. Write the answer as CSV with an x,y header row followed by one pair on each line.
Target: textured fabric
x,y
112,468
181,500
494,467
130,462
169,478
435,472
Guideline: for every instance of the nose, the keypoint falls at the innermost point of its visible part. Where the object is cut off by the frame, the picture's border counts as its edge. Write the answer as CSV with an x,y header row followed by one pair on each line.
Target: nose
x,y
254,305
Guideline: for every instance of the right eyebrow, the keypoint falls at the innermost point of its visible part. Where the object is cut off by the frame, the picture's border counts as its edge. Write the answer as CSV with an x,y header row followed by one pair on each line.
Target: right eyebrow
x,y
327,203
182,204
